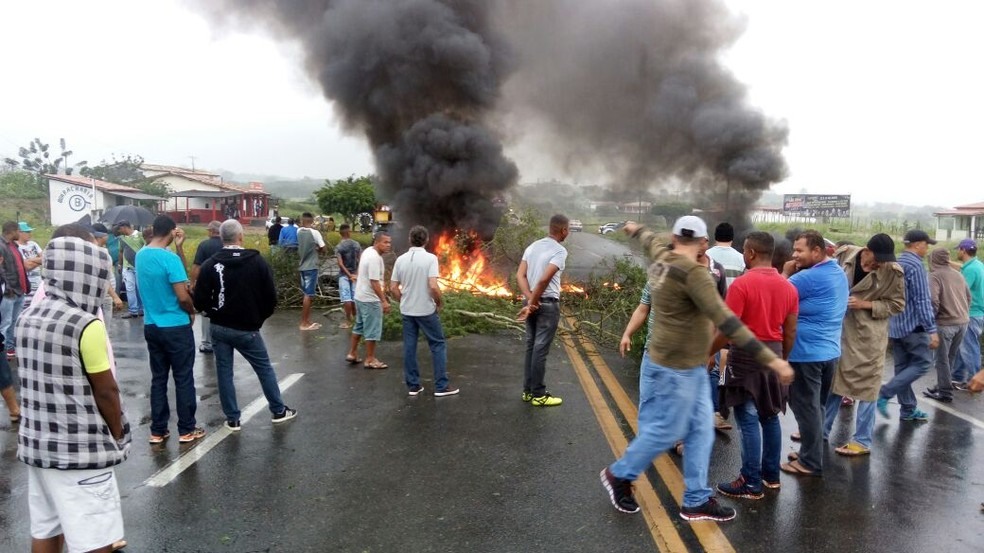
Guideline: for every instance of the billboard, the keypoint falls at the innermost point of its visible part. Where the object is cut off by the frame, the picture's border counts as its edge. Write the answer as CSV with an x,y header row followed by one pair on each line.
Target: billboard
x,y
817,205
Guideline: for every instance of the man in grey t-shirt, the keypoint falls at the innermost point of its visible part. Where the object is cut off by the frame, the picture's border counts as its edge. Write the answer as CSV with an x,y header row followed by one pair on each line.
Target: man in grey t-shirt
x,y
539,281
414,284
309,244
347,254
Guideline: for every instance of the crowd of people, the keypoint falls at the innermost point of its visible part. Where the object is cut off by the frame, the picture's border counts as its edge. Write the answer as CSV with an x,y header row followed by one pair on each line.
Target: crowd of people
x,y
810,332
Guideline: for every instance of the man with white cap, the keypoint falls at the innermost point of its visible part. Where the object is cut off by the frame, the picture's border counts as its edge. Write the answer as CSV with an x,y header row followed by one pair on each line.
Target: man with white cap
x,y
674,395
31,252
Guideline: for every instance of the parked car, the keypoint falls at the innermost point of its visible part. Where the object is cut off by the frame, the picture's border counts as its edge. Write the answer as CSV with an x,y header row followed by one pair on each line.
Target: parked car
x,y
575,225
609,228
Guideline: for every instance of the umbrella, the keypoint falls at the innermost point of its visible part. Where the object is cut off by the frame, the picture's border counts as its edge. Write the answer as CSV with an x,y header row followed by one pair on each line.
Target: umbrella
x,y
136,215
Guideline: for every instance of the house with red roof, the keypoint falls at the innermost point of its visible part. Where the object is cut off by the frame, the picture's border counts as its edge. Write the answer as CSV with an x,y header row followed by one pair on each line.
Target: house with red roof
x,y
963,221
72,197
199,196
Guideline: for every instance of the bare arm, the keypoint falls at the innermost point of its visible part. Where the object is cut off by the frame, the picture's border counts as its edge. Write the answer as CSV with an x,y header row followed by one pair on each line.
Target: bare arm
x,y
377,287
435,292
342,267
395,290
107,395
183,291
639,317
32,263
524,283
788,334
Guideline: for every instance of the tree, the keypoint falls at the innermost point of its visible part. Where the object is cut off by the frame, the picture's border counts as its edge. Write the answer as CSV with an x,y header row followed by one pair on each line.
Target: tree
x,y
125,170
347,197
36,158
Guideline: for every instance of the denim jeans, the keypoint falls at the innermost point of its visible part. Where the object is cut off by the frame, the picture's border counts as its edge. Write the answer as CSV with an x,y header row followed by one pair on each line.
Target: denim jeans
x,y
969,361
807,398
10,308
431,326
251,346
6,377
864,425
913,358
761,441
171,350
132,291
951,339
673,405
714,375
541,326
206,331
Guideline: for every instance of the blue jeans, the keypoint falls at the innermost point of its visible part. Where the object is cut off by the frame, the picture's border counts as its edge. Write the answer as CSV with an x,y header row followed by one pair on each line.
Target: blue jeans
x,y
969,361
6,377
673,405
913,358
761,441
863,427
132,291
431,325
10,308
171,350
541,327
251,346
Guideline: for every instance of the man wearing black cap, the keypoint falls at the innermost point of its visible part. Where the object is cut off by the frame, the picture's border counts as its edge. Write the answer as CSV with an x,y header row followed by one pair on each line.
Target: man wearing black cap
x,y
877,293
969,360
912,332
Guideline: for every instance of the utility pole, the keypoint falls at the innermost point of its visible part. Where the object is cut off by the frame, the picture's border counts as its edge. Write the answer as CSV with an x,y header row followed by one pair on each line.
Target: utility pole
x,y
192,158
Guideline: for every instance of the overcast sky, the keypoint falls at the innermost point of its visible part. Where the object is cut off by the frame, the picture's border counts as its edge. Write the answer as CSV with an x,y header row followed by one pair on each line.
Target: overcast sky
x,y
883,99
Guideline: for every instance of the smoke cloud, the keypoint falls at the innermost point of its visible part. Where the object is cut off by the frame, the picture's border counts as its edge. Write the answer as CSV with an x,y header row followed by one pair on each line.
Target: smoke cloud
x,y
629,89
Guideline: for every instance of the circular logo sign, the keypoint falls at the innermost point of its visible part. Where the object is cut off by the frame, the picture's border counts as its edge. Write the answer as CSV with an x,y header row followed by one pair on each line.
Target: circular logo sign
x,y
77,202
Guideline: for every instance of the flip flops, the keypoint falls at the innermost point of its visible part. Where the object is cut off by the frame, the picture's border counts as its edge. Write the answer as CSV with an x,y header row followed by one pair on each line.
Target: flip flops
x,y
377,364
353,360
852,449
155,439
312,326
15,419
794,467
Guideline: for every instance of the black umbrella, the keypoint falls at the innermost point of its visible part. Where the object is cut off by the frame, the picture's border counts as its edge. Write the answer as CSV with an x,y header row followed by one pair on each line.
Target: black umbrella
x,y
136,215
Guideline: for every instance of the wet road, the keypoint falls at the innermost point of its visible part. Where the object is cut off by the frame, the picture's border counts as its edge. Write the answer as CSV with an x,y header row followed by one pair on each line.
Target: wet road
x,y
364,467
589,252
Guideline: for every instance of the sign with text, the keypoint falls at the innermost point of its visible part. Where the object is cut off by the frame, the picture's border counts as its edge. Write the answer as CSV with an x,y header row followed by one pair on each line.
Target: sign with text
x,y
817,205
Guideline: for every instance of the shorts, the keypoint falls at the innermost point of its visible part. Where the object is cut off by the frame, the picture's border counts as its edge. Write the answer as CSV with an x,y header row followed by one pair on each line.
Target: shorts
x,y
309,281
346,290
368,320
84,505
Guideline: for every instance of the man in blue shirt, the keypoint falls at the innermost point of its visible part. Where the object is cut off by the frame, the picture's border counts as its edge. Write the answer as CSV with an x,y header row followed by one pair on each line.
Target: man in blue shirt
x,y
168,314
911,333
823,292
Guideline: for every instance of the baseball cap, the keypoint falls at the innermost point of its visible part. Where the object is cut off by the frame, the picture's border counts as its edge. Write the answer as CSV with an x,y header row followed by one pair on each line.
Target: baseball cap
x,y
916,235
883,247
967,244
24,227
690,226
99,230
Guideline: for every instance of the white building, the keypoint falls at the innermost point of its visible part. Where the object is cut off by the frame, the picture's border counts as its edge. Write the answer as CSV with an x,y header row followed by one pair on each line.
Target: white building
x,y
200,196
73,197
963,221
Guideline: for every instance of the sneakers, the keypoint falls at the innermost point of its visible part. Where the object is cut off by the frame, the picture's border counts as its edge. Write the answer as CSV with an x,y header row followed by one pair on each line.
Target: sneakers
x,y
527,397
235,426
916,415
710,510
882,406
449,391
415,390
619,492
205,349
720,423
196,434
285,416
11,353
740,488
934,393
546,400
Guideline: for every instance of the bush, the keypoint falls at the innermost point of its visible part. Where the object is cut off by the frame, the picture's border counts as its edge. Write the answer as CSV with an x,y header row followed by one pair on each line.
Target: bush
x,y
609,299
463,314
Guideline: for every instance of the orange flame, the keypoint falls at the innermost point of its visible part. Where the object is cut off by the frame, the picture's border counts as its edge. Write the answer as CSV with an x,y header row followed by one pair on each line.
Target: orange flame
x,y
467,271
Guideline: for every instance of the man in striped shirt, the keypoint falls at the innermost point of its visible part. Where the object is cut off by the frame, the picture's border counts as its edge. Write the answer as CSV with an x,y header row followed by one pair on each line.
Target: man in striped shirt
x,y
912,332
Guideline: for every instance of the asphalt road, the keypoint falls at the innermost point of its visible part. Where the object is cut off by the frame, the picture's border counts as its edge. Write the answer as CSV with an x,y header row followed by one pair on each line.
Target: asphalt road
x,y
589,253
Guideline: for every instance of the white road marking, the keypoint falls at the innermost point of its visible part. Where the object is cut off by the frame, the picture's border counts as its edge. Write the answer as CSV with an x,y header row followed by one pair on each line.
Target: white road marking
x,y
947,409
167,474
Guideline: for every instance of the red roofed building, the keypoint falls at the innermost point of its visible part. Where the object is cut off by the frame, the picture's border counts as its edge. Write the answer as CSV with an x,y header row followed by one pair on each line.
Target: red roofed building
x,y
200,196
963,221
72,197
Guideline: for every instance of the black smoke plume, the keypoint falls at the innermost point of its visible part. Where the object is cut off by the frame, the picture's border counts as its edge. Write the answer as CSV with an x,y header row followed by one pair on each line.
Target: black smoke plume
x,y
418,78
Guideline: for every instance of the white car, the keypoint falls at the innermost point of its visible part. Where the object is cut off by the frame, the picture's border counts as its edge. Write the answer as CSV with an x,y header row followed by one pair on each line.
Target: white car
x,y
575,225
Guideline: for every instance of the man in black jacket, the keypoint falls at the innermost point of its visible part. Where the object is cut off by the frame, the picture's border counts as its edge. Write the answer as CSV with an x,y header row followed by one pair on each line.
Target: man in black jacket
x,y
236,290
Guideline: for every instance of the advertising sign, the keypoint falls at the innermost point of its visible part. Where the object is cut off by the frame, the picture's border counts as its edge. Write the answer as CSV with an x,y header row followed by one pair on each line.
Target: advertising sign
x,y
817,205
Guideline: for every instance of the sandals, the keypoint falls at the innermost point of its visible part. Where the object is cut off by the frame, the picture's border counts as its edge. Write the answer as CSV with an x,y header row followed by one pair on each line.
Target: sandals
x,y
312,326
196,434
353,360
377,364
794,467
852,449
15,419
119,544
159,439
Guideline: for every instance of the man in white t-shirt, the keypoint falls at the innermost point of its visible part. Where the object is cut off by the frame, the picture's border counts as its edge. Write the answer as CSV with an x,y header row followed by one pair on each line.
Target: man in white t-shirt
x,y
539,281
370,302
731,259
414,285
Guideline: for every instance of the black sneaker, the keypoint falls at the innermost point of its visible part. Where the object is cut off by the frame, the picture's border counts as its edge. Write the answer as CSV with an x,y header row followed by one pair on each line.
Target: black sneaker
x,y
285,416
415,390
233,425
710,510
449,391
934,393
619,492
740,488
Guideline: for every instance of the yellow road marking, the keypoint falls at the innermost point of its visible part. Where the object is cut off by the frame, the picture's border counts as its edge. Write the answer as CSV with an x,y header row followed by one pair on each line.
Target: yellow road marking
x,y
657,519
708,533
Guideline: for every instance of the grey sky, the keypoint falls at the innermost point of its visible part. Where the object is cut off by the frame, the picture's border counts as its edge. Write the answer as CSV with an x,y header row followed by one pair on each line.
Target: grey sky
x,y
882,98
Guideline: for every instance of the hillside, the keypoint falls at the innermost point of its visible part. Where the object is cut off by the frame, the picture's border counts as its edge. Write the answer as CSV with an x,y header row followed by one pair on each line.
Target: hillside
x,y
281,187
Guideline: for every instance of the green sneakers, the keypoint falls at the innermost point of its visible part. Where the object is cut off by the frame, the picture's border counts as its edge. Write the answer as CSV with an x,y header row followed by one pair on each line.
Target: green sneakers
x,y
527,397
546,400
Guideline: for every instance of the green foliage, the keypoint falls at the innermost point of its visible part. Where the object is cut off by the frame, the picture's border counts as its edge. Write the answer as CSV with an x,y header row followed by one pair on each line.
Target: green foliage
x,y
38,158
609,298
20,184
463,314
125,170
516,231
347,197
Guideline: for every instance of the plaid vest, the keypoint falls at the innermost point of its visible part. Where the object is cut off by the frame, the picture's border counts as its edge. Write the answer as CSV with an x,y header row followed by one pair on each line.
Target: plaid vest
x,y
61,427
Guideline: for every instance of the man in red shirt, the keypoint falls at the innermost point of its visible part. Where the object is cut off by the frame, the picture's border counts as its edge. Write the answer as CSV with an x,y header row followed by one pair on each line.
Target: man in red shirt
x,y
768,304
